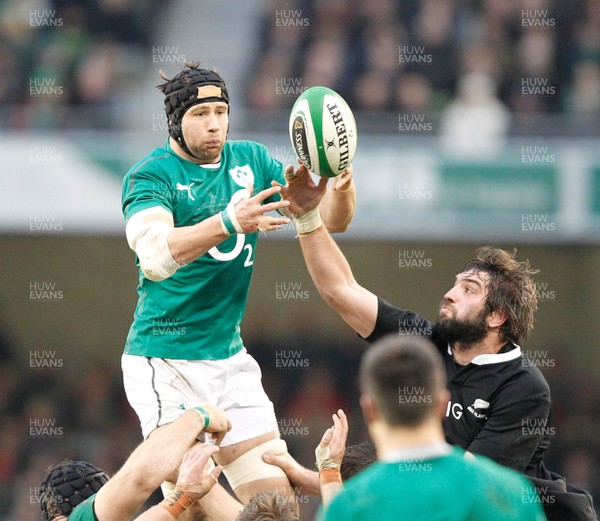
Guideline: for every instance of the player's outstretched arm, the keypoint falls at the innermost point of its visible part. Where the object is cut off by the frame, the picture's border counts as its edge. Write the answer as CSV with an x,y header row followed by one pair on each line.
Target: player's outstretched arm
x,y
339,203
188,243
163,248
153,462
335,282
326,264
193,484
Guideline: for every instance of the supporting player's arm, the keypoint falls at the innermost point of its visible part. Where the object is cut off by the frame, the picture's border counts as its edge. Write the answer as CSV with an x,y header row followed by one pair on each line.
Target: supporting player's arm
x,y
193,484
154,461
163,248
329,454
339,203
305,481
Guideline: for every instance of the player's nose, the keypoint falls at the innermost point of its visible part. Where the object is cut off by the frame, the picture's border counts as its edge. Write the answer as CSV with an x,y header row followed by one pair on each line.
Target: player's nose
x,y
449,295
213,123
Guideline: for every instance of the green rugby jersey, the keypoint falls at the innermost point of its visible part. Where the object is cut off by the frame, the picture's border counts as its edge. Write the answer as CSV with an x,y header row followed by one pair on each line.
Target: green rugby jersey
x,y
442,488
84,511
196,313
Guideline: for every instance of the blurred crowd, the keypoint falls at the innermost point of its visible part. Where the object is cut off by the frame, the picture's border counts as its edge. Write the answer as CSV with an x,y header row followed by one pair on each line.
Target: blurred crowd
x,y
50,412
60,55
519,56
532,56
53,413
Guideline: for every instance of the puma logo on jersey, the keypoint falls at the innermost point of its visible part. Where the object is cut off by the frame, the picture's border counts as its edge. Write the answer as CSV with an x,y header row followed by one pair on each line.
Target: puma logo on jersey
x,y
477,408
186,188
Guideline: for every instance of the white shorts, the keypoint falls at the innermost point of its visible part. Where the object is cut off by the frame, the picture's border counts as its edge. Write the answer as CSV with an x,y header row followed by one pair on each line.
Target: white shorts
x,y
157,387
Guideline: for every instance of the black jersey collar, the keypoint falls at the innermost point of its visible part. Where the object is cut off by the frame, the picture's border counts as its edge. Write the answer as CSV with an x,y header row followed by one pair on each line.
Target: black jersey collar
x,y
506,354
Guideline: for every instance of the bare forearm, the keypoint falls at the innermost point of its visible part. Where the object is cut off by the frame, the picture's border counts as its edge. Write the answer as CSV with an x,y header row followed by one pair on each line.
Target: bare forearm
x,y
187,243
337,207
307,482
326,264
156,513
329,491
219,505
158,458
154,461
334,280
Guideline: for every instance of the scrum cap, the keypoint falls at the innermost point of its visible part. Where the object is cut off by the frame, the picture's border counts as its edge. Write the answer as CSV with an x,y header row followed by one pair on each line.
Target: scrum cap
x,y
67,485
188,88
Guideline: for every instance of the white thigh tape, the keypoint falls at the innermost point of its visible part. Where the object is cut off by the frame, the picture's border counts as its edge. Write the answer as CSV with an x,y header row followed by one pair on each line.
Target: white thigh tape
x,y
251,467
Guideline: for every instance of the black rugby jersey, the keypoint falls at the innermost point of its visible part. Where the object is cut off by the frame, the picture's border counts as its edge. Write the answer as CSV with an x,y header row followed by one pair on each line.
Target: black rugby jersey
x,y
499,405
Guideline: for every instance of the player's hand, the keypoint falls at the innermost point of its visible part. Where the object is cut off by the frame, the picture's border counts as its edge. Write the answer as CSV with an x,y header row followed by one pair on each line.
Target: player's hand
x,y
302,478
300,190
193,479
285,462
342,182
330,452
218,423
251,212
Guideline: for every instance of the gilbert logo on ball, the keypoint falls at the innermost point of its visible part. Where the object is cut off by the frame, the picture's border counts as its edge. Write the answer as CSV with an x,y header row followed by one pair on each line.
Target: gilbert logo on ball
x,y
323,131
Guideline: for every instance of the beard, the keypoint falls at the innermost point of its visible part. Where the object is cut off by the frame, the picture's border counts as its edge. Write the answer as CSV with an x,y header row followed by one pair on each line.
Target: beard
x,y
204,154
461,334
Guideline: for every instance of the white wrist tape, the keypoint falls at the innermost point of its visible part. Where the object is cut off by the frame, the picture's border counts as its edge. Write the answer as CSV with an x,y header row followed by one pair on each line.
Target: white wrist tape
x,y
309,222
228,217
149,239
324,459
233,217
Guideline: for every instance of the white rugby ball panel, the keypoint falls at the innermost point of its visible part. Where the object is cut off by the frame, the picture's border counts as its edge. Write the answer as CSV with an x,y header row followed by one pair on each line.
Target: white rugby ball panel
x,y
302,134
323,131
338,134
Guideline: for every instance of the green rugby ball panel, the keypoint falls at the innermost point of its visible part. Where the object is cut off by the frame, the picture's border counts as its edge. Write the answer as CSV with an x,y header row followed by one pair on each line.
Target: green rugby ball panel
x,y
323,131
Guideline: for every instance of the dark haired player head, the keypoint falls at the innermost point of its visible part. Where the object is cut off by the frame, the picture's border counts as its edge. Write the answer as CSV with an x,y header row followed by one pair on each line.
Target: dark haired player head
x,y
357,458
67,485
403,384
509,301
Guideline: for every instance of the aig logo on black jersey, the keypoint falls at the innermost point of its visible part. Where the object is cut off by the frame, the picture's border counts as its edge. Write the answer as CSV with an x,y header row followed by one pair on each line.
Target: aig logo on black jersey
x,y
454,409
477,409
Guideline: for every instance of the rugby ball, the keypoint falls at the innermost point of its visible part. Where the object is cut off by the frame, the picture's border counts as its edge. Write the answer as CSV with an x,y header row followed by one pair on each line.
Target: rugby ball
x,y
323,131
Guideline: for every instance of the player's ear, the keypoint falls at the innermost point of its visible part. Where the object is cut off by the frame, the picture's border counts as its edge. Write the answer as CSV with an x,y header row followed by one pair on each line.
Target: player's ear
x,y
495,319
368,408
442,403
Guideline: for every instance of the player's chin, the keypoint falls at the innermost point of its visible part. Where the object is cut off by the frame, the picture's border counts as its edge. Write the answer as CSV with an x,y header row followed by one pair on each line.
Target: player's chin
x,y
444,315
209,153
